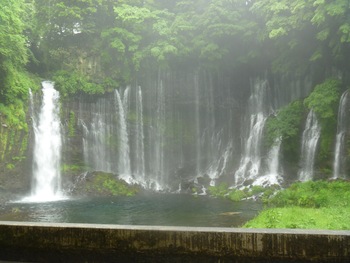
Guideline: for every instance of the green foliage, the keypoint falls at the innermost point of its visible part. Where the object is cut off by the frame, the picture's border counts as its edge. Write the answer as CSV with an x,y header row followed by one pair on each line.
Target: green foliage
x,y
69,83
71,124
313,194
223,191
324,102
12,42
108,184
14,116
322,24
286,123
13,146
10,166
72,168
219,191
13,106
14,81
66,17
324,98
317,205
126,36
302,218
285,126
237,195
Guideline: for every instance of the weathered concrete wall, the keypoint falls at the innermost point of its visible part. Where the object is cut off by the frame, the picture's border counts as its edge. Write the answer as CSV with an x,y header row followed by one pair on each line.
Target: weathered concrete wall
x,y
46,242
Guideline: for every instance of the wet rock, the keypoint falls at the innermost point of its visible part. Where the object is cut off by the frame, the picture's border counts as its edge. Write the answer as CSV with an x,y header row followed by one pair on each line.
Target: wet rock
x,y
102,184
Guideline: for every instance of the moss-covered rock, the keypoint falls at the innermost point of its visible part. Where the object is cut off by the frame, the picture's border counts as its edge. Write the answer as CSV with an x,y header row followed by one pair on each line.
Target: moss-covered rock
x,y
102,184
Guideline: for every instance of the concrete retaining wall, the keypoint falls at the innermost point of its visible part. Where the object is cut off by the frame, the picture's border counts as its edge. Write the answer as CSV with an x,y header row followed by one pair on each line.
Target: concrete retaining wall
x,y
46,242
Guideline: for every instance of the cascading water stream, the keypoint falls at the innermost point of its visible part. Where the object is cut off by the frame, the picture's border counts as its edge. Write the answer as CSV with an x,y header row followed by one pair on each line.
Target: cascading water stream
x,y
47,149
157,179
273,158
99,134
273,176
124,168
198,128
98,130
217,167
249,167
140,149
31,107
310,138
339,158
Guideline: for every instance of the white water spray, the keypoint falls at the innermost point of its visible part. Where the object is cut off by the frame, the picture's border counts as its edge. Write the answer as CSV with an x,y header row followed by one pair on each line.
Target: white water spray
x,y
339,158
124,169
310,138
218,164
249,167
273,176
198,127
157,178
47,149
140,158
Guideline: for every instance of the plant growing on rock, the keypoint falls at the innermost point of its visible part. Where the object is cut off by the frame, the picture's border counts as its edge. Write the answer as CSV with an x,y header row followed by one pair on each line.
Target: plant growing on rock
x,y
104,184
324,102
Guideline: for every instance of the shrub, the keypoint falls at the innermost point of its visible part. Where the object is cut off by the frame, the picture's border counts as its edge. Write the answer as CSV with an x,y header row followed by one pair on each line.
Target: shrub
x,y
324,101
74,82
313,194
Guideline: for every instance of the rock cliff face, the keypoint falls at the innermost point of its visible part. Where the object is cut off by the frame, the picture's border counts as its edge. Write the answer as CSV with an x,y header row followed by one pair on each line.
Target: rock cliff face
x,y
174,131
181,131
164,133
15,160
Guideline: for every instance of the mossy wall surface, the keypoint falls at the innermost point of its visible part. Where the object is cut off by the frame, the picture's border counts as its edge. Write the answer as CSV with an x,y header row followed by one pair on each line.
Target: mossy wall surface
x,y
14,158
110,243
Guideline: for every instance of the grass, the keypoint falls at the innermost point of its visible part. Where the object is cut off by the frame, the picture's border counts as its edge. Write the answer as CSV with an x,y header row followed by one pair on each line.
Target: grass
x,y
302,218
309,205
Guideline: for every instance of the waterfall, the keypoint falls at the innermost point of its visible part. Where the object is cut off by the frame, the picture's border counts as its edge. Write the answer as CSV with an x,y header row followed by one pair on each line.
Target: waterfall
x,y
97,133
140,149
310,138
249,167
218,165
157,175
31,107
273,176
273,157
339,151
213,143
47,149
124,168
198,127
171,131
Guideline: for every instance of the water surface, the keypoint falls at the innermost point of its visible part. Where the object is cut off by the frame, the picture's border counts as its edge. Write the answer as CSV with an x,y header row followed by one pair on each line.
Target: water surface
x,y
143,209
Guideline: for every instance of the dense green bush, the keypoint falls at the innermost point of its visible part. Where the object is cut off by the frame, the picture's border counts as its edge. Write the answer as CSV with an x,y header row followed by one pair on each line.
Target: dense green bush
x,y
303,218
286,125
324,102
220,190
313,194
68,83
105,184
318,205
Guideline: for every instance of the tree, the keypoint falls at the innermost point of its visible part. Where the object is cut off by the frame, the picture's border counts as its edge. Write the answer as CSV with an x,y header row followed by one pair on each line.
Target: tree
x,y
14,80
308,31
13,51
